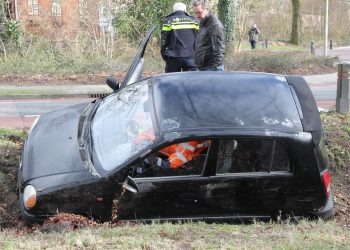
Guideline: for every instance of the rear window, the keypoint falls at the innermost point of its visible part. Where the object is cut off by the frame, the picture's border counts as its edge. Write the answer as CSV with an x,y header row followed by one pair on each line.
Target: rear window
x,y
252,155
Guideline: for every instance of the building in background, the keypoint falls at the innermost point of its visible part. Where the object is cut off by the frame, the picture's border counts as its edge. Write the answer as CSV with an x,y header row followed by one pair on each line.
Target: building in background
x,y
62,19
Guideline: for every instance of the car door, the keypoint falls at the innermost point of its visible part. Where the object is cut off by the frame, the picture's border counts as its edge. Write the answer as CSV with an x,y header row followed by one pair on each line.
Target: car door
x,y
169,194
253,177
136,68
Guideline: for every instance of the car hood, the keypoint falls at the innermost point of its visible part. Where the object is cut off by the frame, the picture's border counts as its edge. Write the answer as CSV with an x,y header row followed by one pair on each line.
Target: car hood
x,y
52,146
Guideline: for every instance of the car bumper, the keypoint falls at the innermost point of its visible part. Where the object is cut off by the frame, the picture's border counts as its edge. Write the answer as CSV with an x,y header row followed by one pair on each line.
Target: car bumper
x,y
28,218
327,211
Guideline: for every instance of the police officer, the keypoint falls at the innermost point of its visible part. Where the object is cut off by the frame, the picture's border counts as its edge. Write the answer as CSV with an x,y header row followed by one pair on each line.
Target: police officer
x,y
178,38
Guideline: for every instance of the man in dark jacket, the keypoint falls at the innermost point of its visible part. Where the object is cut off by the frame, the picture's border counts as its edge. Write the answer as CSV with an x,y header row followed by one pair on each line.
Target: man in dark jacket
x,y
210,42
178,38
253,36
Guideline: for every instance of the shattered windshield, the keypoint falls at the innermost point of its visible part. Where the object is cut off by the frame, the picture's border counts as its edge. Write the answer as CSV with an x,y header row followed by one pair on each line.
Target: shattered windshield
x,y
122,126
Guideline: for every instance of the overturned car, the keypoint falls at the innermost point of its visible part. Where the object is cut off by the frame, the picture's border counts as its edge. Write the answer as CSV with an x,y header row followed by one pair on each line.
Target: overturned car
x,y
264,155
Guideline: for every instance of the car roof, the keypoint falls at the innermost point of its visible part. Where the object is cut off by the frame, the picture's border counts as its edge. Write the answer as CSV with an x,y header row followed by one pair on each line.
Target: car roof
x,y
208,100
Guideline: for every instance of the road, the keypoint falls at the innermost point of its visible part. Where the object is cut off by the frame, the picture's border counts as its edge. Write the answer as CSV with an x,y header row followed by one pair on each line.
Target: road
x,y
342,52
325,94
20,114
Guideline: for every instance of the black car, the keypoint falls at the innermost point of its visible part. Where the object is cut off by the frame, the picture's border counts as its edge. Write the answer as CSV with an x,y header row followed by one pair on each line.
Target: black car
x,y
265,155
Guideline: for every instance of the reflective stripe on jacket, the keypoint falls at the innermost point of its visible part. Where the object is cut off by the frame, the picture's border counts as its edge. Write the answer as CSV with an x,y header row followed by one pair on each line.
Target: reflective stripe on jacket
x,y
178,35
184,152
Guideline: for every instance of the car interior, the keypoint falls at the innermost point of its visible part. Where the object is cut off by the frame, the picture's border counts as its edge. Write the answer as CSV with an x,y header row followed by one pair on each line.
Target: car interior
x,y
232,156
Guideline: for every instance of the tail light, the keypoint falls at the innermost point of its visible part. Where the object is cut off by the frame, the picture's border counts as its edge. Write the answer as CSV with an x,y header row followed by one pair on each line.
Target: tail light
x,y
327,182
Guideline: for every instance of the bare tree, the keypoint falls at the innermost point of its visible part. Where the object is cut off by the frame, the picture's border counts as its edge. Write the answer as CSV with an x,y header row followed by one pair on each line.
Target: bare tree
x,y
296,22
241,25
2,14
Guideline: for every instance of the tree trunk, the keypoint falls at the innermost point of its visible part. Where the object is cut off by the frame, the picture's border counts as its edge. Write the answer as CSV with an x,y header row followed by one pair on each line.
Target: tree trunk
x,y
2,12
227,13
296,23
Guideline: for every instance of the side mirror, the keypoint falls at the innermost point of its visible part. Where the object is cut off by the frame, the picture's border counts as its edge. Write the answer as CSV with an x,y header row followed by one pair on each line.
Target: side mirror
x,y
112,83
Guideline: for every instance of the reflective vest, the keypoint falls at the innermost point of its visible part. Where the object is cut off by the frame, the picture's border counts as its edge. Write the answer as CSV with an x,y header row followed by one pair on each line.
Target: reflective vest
x,y
184,152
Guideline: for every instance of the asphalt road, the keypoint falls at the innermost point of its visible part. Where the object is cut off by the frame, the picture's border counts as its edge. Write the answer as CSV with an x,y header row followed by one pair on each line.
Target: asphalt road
x,y
20,114
342,52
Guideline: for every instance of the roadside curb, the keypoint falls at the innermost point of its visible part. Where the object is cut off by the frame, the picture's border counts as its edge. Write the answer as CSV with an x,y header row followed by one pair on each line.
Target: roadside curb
x,y
82,91
322,78
51,96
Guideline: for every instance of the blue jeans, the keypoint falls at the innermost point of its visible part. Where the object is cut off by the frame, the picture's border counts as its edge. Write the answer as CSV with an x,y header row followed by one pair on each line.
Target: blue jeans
x,y
253,44
218,68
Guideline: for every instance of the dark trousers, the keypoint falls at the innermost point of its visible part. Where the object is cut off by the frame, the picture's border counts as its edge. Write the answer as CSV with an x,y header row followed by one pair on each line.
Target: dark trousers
x,y
253,44
177,64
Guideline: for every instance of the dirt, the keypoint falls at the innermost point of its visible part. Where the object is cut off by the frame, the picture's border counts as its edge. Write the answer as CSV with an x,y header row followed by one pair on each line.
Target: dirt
x,y
81,79
337,129
100,77
315,69
9,209
86,79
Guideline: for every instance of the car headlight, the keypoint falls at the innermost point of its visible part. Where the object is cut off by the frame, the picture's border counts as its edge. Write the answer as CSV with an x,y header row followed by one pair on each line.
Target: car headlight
x,y
29,196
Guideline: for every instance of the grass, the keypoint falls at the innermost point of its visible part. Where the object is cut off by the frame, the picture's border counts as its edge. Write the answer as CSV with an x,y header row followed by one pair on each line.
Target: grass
x,y
284,235
275,46
40,63
283,62
338,140
10,147
304,235
86,56
12,132
9,153
4,184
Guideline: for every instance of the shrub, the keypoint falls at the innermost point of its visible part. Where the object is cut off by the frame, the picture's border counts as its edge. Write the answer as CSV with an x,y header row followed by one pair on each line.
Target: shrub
x,y
8,133
7,185
83,55
137,16
9,153
277,62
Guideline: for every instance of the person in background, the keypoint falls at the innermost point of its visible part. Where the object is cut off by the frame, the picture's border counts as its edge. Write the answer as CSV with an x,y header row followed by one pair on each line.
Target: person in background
x,y
253,36
178,36
210,42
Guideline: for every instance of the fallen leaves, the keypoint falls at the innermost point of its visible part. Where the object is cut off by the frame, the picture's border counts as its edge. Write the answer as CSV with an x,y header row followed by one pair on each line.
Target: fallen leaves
x,y
74,221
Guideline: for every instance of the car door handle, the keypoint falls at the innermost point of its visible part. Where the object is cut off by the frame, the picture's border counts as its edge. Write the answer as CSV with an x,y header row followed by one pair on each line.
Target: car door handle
x,y
130,185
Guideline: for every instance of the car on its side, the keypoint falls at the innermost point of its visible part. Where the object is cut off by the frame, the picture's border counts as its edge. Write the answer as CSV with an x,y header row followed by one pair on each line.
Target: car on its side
x,y
266,155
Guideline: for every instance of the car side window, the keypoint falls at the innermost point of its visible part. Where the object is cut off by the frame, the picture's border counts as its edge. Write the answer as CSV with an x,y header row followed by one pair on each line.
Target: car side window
x,y
251,155
180,159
